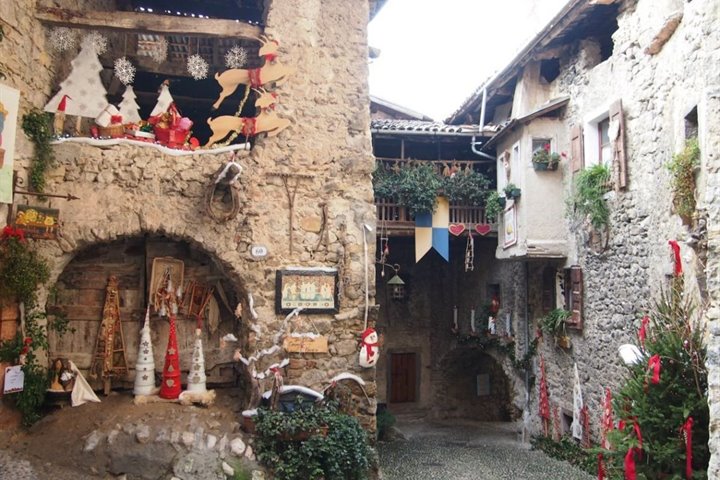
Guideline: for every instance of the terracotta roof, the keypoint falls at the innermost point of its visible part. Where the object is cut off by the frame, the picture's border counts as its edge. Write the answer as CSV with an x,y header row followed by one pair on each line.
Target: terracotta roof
x,y
421,127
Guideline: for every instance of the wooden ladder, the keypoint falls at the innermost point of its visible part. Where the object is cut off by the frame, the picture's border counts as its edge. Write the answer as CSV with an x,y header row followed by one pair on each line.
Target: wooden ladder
x,y
109,359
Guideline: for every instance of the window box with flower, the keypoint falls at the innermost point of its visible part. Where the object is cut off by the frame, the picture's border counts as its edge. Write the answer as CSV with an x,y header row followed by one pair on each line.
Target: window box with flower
x,y
544,159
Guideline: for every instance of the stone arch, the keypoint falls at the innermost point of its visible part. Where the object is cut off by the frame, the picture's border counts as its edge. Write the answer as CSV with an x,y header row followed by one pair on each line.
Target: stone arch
x,y
131,256
476,384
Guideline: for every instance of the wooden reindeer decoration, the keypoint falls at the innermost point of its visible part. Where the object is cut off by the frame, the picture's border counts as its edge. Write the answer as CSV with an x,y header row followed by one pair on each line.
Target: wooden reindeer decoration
x,y
272,71
267,122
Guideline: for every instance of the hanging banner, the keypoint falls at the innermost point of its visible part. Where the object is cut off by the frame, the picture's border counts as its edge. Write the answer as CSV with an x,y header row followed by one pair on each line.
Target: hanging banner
x,y
431,231
9,102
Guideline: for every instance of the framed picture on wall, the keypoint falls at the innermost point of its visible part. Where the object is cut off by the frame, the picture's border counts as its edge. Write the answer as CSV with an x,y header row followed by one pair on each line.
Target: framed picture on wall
x,y
315,290
37,222
510,227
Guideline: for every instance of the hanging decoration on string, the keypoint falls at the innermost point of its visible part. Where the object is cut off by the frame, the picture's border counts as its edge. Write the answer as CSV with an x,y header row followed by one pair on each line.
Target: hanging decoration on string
x,y
236,57
470,254
124,70
578,405
62,38
97,40
544,400
686,432
159,51
197,67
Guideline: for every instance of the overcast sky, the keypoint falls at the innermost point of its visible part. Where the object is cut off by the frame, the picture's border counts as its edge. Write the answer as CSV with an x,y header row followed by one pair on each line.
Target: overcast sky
x,y
434,54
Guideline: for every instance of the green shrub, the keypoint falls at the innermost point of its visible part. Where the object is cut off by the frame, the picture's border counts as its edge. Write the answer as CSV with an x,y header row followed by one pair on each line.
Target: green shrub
x,y
682,169
588,199
567,450
342,454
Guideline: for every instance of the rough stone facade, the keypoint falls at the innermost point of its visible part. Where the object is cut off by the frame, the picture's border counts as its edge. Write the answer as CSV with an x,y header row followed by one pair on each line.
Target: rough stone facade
x,y
657,92
128,192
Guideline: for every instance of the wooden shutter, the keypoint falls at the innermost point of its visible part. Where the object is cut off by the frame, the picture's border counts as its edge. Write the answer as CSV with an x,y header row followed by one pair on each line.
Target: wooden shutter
x,y
548,289
574,295
576,148
619,160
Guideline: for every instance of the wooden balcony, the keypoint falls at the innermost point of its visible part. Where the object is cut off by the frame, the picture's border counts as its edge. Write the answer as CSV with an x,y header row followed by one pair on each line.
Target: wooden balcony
x,y
395,219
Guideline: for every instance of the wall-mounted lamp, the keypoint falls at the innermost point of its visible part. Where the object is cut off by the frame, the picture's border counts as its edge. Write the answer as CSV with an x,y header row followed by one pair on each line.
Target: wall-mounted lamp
x,y
397,285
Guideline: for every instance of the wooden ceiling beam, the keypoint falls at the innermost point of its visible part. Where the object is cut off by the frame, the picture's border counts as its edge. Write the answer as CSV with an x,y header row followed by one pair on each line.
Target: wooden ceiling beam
x,y
132,22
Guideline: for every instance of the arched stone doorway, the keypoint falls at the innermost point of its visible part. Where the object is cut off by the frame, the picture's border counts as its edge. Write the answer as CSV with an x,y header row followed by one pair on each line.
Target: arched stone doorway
x,y
79,294
471,384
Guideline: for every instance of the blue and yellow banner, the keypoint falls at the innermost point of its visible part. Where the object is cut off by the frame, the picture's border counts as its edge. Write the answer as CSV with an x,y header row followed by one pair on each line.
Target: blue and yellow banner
x,y
431,231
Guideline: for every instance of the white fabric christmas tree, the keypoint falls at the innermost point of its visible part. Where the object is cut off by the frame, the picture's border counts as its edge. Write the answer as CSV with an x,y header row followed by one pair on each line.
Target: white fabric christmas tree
x,y
129,109
196,376
164,101
145,366
83,87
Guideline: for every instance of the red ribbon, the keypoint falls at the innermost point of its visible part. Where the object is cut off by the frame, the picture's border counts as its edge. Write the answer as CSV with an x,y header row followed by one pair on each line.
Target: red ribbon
x,y
115,119
642,333
254,77
678,261
249,128
686,431
630,470
636,427
601,467
607,420
654,365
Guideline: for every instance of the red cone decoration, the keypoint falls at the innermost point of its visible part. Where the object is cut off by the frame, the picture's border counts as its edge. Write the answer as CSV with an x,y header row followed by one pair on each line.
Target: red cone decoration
x,y
170,386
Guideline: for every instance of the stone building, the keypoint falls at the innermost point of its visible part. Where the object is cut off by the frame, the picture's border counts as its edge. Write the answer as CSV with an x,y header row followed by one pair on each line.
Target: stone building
x,y
304,195
624,84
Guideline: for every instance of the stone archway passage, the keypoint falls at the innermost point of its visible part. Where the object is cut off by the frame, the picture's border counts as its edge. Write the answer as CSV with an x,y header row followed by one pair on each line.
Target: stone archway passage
x,y
80,290
472,385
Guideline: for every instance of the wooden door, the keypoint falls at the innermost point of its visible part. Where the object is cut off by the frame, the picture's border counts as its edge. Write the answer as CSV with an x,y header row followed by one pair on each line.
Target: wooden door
x,y
403,368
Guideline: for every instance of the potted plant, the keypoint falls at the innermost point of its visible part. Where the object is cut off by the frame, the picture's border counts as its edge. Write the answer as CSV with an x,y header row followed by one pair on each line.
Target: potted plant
x,y
494,205
511,191
554,324
544,159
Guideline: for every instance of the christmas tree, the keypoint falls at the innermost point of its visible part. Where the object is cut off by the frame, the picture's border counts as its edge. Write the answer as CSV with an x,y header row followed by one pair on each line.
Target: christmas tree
x,y
129,109
164,100
663,432
83,87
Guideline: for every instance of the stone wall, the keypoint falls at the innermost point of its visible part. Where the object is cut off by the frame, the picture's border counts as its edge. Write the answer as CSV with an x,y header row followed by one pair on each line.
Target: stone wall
x,y
128,191
657,93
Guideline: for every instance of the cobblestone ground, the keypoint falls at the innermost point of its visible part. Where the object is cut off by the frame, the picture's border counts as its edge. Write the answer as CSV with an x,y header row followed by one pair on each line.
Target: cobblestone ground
x,y
467,451
14,468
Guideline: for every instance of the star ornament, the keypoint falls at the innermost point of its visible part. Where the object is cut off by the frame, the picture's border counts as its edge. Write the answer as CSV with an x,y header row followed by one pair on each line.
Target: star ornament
x,y
171,351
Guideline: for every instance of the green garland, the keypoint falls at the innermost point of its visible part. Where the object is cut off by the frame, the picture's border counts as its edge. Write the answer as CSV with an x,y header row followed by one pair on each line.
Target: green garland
x,y
416,186
507,348
36,125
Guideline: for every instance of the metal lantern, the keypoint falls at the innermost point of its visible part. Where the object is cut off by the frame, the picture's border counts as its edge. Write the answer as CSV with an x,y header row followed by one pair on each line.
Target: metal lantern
x,y
397,286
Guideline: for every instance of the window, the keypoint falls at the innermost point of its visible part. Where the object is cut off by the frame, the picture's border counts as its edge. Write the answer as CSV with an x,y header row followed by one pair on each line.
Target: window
x,y
539,144
549,70
573,284
691,124
604,147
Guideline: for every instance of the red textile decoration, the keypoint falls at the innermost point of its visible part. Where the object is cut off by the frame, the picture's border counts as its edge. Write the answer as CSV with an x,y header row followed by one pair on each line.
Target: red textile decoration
x,y
638,434
170,387
686,431
642,333
654,365
585,421
249,128
254,77
601,467
115,119
606,422
630,470
63,103
544,401
494,305
678,261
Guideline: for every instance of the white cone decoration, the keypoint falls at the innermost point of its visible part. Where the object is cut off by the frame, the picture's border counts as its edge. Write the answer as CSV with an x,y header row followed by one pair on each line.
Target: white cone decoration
x,y
145,366
196,377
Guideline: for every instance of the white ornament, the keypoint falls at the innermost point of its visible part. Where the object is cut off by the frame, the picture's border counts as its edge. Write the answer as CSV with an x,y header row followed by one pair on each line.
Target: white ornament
x,y
124,70
236,57
196,381
97,40
163,102
145,366
62,38
159,50
129,108
630,354
369,350
197,67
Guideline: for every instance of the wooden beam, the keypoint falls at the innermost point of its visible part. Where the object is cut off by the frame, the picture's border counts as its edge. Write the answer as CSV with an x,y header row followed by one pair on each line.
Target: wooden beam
x,y
132,22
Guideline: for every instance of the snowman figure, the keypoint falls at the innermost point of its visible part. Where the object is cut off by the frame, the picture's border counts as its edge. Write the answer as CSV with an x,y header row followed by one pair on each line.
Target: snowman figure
x,y
370,350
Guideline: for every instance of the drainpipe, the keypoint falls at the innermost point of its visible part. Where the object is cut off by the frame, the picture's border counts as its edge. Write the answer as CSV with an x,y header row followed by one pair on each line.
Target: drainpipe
x,y
474,144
